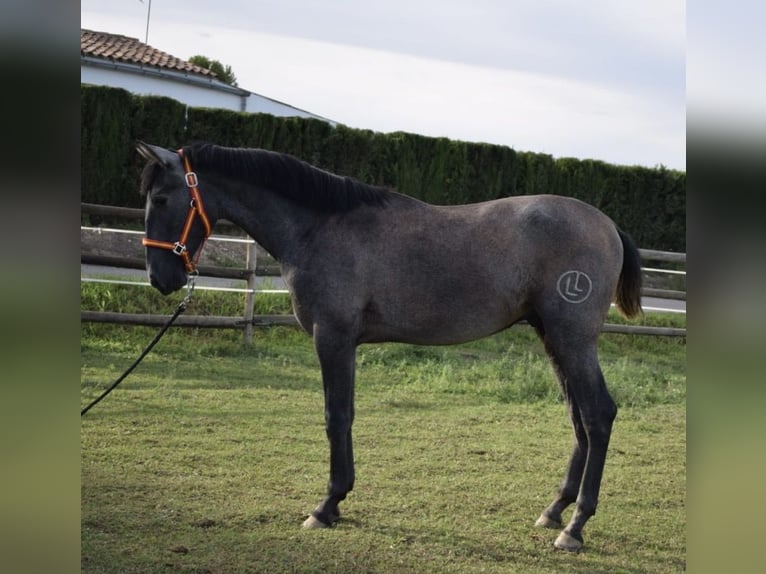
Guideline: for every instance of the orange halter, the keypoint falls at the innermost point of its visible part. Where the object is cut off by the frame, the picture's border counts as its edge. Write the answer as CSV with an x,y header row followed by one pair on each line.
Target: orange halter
x,y
196,208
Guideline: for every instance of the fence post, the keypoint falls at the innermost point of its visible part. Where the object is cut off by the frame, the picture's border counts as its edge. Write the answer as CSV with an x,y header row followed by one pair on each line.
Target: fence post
x,y
250,263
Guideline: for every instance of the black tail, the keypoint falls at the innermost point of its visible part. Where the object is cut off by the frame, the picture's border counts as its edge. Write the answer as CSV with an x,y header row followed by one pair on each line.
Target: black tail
x,y
628,297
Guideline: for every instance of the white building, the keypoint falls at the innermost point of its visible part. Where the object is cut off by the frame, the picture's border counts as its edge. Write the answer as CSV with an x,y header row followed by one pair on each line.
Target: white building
x,y
123,62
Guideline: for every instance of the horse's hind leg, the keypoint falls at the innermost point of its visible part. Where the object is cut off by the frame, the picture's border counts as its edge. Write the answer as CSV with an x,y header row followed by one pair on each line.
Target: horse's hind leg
x,y
592,412
567,494
570,486
597,412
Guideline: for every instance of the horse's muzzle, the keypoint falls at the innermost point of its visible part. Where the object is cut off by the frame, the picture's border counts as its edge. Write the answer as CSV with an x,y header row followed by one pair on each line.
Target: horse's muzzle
x,y
165,287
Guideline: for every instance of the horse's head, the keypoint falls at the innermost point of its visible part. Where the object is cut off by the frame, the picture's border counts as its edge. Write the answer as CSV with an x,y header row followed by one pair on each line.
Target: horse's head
x,y
176,220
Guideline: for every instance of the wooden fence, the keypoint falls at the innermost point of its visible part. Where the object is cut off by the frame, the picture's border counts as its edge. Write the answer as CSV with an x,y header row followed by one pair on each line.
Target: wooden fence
x,y
253,269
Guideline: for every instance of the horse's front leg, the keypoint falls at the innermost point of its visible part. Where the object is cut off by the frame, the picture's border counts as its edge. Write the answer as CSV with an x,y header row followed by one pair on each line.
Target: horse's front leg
x,y
337,357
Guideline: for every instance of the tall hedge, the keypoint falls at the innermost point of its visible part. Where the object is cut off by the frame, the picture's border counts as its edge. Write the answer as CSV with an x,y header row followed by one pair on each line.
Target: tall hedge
x,y
648,203
106,138
111,122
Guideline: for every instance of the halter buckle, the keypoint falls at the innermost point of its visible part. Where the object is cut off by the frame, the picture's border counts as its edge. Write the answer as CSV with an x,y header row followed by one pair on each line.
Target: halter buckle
x,y
179,248
191,179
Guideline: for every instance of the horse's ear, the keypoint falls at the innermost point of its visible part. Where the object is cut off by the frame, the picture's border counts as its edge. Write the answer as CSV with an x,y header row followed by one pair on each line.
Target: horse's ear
x,y
155,154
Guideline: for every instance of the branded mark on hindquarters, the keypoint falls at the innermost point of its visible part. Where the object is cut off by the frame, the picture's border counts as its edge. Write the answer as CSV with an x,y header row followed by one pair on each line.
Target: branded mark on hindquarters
x,y
574,286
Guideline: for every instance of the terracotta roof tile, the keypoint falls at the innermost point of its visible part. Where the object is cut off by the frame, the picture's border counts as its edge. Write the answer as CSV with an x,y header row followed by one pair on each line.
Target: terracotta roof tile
x,y
131,50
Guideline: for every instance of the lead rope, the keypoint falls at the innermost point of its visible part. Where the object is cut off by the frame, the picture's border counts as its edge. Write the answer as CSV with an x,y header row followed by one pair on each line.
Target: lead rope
x,y
180,309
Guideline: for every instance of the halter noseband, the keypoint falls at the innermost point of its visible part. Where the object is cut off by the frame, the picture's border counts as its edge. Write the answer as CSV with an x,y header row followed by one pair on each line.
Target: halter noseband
x,y
196,208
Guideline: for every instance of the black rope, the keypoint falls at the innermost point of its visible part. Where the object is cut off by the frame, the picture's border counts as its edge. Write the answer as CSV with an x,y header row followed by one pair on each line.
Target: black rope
x,y
180,309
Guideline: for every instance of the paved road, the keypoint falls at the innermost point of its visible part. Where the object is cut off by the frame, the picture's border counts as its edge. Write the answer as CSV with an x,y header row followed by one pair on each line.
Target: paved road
x,y
138,275
655,304
97,271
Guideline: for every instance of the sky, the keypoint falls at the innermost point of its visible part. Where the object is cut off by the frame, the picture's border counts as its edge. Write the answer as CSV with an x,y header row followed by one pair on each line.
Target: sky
x,y
597,79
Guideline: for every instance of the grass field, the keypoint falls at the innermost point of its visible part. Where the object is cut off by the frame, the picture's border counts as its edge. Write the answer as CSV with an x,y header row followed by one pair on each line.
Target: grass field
x,y
210,455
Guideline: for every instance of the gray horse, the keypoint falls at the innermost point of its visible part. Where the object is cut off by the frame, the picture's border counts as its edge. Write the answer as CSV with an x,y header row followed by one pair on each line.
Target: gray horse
x,y
365,264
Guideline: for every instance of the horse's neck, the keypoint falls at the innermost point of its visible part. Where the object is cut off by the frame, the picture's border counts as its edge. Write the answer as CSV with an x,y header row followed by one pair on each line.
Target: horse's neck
x,y
275,223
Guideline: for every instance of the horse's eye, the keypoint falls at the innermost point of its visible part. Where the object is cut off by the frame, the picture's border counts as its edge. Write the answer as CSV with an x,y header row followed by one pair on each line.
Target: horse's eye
x,y
159,200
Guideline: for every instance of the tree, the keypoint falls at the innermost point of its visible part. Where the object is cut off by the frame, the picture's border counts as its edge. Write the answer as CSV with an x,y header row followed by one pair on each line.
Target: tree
x,y
223,73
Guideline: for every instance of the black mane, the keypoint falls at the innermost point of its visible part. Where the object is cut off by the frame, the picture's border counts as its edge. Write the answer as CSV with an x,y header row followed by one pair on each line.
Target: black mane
x,y
289,176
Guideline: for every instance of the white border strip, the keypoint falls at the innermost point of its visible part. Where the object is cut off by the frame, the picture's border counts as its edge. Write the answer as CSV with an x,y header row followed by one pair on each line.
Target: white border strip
x,y
223,238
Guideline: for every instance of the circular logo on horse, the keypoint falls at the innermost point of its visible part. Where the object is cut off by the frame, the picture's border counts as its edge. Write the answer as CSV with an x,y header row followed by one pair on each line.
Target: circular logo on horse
x,y
574,286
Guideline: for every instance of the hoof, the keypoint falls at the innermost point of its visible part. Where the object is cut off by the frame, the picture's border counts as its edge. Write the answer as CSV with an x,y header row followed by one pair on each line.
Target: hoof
x,y
313,522
547,522
567,542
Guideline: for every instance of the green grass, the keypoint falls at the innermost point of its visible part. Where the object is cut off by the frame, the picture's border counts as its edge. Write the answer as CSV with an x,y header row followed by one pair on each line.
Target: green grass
x,y
211,454
641,370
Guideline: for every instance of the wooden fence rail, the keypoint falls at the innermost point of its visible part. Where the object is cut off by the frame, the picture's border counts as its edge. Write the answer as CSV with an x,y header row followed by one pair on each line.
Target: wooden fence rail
x,y
262,270
205,321
253,269
223,322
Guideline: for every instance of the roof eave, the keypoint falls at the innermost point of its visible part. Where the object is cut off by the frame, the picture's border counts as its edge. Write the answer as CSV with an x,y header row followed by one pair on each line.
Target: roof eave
x,y
178,76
